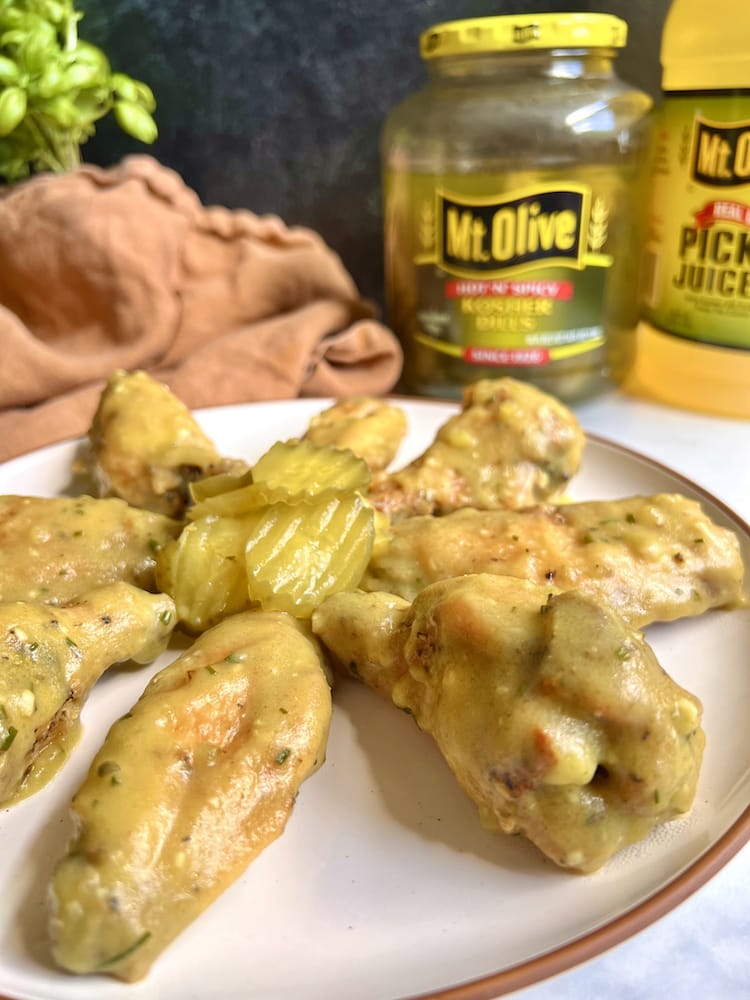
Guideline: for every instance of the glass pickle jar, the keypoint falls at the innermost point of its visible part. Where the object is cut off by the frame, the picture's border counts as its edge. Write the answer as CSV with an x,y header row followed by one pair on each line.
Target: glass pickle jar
x,y
513,187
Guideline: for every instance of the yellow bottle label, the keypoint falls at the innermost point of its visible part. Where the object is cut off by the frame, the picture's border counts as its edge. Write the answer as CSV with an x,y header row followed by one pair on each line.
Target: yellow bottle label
x,y
698,242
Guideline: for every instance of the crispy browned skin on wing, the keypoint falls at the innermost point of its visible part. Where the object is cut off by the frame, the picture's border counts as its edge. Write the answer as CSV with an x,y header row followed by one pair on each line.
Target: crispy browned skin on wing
x,y
54,548
146,447
651,558
371,427
553,714
50,659
510,446
188,788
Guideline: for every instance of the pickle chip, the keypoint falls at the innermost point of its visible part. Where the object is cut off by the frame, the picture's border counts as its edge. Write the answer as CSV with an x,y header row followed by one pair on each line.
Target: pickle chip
x,y
300,554
284,535
222,482
240,501
289,472
305,468
203,570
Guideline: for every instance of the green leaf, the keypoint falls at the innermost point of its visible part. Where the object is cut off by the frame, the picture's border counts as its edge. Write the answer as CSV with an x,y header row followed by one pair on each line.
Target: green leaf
x,y
136,121
10,17
61,110
6,738
134,91
36,51
16,36
84,74
9,72
124,88
85,52
51,82
13,104
145,95
54,11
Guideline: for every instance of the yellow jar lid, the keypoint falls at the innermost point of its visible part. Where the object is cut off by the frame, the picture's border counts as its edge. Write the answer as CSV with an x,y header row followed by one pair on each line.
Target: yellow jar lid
x,y
517,32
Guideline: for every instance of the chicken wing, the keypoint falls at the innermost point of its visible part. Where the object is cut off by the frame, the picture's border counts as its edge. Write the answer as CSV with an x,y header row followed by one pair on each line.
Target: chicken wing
x,y
146,447
187,789
554,715
52,549
50,659
370,427
512,445
650,558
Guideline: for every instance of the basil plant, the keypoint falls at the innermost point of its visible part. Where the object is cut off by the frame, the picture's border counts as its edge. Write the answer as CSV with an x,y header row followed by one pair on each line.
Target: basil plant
x,y
54,87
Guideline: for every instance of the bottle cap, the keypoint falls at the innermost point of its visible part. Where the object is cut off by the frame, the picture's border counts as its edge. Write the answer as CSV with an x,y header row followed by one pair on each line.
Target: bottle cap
x,y
706,48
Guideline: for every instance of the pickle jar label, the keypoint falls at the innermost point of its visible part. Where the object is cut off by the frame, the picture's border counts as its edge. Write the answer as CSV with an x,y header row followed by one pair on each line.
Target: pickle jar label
x,y
698,246
516,279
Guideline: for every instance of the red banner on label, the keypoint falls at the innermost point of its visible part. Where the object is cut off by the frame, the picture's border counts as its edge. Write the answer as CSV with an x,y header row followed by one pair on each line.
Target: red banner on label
x,y
562,290
521,357
723,211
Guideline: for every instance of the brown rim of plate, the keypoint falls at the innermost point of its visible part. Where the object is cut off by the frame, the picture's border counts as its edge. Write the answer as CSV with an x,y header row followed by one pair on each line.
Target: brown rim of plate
x,y
615,932
642,915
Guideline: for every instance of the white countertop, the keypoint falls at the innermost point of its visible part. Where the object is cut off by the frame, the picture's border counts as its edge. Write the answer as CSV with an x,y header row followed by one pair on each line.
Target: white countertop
x,y
701,949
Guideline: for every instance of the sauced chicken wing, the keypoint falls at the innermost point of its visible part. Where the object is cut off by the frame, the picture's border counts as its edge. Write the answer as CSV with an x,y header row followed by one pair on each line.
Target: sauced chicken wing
x,y
510,446
187,789
54,548
554,715
372,428
50,659
650,558
146,447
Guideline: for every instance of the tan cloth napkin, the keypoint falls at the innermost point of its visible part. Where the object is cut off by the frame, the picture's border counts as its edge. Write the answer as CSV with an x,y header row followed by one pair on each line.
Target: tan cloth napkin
x,y
125,268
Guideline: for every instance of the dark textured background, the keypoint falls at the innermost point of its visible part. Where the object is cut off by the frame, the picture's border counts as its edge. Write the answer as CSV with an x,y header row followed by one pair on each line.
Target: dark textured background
x,y
276,106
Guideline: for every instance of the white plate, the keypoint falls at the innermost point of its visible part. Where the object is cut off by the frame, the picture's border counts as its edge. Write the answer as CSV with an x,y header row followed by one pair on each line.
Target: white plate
x,y
384,885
